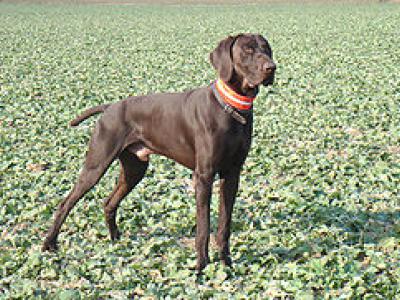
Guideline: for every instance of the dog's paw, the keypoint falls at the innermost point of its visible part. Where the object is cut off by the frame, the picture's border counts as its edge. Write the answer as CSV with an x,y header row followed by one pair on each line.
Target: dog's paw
x,y
226,260
115,235
49,246
201,264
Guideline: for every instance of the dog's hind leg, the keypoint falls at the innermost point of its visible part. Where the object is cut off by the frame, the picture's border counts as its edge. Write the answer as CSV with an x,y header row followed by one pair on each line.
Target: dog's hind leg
x,y
103,148
132,171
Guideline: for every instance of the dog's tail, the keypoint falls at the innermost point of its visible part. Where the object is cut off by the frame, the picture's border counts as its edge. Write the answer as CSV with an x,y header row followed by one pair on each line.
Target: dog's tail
x,y
88,113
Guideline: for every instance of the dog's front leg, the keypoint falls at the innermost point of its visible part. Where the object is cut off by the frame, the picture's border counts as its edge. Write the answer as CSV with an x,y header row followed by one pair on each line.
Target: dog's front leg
x,y
203,188
228,188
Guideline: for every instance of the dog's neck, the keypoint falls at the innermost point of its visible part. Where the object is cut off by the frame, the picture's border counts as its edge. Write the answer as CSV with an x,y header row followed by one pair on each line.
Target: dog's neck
x,y
241,86
231,97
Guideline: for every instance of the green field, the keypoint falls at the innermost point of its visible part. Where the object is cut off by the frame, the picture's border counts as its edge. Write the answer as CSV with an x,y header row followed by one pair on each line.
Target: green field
x,y
318,212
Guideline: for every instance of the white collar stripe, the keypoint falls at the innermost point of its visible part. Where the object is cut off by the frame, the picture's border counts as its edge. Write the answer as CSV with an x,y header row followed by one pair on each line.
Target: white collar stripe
x,y
226,94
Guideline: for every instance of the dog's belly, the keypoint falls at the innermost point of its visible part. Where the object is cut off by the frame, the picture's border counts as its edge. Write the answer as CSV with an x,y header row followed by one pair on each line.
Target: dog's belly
x,y
143,152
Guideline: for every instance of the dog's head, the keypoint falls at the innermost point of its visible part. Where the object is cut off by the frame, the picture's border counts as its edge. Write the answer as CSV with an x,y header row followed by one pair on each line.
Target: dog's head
x,y
248,56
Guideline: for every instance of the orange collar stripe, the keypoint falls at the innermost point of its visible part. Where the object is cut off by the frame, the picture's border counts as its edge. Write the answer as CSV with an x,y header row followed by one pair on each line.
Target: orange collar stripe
x,y
232,98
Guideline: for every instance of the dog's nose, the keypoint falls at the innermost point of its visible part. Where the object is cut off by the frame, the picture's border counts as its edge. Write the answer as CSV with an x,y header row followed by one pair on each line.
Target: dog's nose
x,y
269,66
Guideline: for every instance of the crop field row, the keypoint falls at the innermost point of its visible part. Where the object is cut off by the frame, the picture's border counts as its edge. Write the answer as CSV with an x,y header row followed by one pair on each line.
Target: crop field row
x,y
318,211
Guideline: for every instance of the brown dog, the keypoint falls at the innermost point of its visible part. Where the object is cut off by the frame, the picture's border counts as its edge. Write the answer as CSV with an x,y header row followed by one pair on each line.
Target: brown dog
x,y
207,129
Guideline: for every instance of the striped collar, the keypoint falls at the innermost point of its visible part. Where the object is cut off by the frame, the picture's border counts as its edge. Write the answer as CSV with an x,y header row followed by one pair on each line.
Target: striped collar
x,y
226,106
232,98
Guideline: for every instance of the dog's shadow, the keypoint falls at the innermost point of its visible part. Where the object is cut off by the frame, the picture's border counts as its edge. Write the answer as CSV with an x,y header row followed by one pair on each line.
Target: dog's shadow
x,y
327,228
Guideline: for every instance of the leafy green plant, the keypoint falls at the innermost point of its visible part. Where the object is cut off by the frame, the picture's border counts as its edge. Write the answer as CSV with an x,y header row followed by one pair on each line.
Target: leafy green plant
x,y
317,215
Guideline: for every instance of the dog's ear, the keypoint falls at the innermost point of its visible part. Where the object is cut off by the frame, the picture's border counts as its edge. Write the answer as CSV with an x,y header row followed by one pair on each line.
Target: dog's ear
x,y
221,58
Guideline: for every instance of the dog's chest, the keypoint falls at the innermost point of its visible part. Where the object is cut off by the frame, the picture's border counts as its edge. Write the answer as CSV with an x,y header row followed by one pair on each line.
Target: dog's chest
x,y
235,143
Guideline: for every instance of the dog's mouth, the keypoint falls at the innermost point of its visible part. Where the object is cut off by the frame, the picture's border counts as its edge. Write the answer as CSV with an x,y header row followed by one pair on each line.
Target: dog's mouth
x,y
268,81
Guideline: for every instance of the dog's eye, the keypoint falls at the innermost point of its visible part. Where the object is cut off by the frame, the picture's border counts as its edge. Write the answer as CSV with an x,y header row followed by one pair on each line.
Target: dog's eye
x,y
248,49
